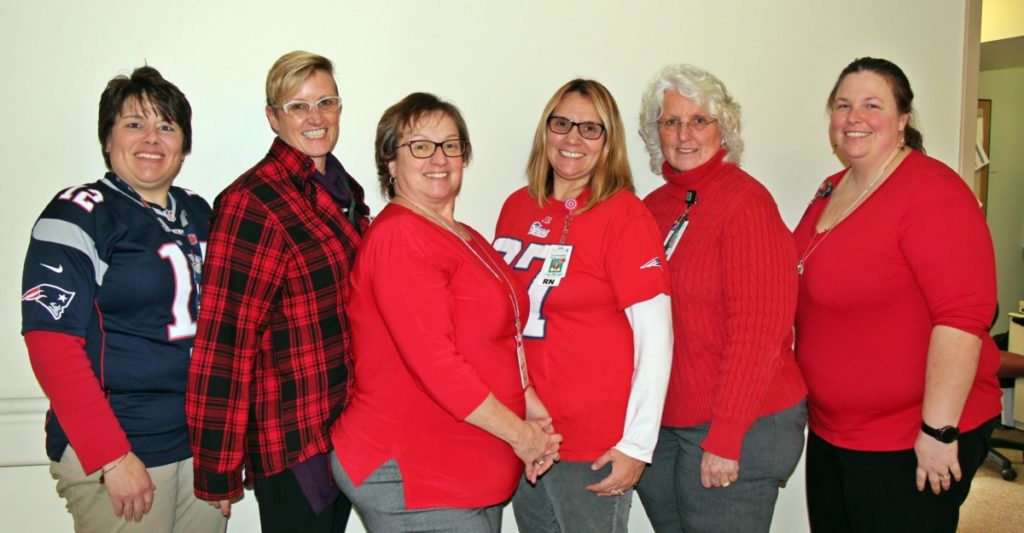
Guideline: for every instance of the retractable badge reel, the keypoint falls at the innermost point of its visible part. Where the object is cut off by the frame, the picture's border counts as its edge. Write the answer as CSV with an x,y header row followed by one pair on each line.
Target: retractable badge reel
x,y
556,264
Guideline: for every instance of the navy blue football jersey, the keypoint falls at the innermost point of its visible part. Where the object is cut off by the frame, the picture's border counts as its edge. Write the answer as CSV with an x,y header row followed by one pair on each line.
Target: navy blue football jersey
x,y
104,266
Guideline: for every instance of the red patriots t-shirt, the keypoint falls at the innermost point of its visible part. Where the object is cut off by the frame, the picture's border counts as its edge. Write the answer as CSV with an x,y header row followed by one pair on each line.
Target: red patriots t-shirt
x,y
579,344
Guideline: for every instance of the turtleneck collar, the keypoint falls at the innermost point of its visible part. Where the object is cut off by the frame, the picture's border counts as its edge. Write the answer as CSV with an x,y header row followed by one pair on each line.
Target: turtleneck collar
x,y
696,177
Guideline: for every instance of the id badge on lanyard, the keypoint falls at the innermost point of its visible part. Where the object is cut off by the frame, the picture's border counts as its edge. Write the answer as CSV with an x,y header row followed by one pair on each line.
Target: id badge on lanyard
x,y
556,264
524,374
675,234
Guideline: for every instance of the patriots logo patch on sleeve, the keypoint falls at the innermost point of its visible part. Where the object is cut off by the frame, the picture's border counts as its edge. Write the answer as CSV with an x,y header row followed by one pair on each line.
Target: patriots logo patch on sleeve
x,y
51,297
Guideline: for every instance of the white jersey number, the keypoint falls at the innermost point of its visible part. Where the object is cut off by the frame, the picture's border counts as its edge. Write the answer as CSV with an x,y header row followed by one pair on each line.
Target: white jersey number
x,y
184,326
536,324
83,197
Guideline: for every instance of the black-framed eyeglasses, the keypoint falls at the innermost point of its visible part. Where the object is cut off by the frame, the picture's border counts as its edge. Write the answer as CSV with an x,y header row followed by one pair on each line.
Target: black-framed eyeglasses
x,y
588,130
301,109
425,149
696,123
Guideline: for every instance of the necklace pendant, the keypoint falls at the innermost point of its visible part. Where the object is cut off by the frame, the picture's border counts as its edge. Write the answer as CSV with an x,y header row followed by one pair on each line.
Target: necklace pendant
x,y
800,268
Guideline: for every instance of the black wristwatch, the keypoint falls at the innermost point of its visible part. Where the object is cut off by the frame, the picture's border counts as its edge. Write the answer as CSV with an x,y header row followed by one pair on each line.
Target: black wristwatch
x,y
945,434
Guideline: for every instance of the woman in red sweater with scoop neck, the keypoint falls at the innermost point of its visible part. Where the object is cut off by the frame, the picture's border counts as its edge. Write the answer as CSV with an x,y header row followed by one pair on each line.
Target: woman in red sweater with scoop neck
x,y
897,288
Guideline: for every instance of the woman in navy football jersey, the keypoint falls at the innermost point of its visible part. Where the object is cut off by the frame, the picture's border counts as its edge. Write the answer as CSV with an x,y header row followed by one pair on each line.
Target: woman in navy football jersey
x,y
108,313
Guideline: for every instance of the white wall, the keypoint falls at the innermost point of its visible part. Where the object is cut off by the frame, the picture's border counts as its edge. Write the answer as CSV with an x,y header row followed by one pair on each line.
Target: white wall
x,y
499,61
1006,183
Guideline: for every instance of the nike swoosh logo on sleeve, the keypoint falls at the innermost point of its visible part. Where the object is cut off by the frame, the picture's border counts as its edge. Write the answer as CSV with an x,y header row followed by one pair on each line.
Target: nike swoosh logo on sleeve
x,y
653,263
58,269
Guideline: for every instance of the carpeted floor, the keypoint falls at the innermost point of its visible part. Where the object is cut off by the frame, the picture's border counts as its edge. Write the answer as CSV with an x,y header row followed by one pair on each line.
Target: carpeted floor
x,y
995,505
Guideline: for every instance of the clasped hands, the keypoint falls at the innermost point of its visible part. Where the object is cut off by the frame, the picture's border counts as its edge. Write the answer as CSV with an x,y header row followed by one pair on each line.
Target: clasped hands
x,y
539,448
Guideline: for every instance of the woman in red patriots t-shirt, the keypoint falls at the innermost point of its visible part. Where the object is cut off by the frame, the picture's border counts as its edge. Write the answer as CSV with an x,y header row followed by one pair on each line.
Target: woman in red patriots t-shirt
x,y
598,338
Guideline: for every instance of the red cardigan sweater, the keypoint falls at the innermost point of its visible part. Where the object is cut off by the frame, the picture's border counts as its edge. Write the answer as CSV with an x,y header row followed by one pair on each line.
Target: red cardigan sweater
x,y
734,286
916,254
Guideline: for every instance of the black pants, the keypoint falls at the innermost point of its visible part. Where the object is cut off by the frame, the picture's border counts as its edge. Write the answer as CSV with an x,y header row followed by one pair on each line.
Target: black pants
x,y
852,491
285,509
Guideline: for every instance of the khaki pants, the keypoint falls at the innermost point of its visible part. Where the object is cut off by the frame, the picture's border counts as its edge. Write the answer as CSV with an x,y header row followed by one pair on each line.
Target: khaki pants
x,y
175,507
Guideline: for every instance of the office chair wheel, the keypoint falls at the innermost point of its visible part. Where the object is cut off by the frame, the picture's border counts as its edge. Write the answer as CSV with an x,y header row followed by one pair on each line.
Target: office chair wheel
x,y
1009,474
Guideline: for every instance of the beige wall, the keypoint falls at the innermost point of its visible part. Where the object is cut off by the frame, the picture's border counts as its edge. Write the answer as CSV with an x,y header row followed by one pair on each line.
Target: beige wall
x,y
1006,183
499,61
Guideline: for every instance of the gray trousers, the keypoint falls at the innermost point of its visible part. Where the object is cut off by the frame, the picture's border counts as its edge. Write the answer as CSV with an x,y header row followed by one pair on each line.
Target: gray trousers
x,y
560,502
674,499
380,504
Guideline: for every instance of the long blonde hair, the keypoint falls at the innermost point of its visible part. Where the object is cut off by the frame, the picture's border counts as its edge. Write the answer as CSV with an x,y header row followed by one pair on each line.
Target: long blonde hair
x,y
612,173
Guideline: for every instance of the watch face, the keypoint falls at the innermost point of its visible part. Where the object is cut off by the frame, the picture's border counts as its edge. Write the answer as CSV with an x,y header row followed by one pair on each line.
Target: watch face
x,y
945,434
948,434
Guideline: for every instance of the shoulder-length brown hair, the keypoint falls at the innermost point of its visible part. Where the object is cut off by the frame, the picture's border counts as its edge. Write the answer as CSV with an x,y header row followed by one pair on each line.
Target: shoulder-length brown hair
x,y
611,174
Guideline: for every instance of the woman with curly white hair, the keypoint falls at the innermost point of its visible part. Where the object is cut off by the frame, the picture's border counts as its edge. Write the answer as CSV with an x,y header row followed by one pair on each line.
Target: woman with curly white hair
x,y
733,423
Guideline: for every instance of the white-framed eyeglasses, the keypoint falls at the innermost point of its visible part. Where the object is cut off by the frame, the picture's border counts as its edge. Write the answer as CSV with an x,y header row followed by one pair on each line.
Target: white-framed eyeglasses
x,y
301,109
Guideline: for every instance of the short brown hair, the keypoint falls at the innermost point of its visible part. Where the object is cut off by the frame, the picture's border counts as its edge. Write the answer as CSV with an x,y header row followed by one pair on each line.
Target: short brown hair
x,y
145,85
397,120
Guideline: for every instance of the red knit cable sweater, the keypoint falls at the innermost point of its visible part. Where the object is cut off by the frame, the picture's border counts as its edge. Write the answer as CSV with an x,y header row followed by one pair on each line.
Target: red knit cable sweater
x,y
734,288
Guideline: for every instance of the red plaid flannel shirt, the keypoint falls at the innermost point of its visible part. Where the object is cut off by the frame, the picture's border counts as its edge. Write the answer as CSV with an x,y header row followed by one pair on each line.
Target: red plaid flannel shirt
x,y
271,365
